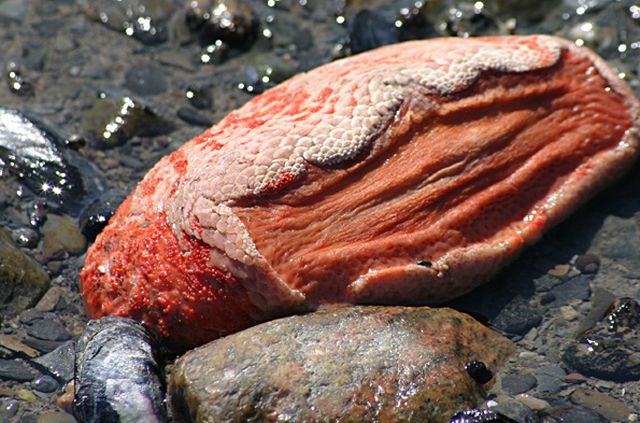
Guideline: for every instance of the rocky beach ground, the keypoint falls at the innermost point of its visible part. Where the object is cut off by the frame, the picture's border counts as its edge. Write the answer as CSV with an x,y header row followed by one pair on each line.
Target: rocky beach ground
x,y
106,88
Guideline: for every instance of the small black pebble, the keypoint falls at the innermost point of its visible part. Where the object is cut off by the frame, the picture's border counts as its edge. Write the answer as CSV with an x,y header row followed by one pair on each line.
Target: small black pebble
x,y
97,214
425,263
478,371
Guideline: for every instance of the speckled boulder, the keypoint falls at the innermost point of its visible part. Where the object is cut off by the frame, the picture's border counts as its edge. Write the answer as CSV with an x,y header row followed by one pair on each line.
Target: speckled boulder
x,y
407,174
339,364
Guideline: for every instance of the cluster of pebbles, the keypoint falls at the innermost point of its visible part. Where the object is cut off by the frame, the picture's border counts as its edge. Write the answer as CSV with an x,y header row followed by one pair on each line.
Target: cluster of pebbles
x,y
95,92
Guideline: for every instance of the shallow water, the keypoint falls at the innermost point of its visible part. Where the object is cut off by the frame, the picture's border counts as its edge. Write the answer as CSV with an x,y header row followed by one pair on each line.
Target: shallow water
x,y
118,87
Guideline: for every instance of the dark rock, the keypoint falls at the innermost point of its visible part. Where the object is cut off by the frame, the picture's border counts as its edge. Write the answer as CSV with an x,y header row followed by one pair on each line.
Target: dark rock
x,y
611,348
546,283
480,416
45,384
16,82
193,117
96,215
15,370
146,80
199,97
352,363
118,377
37,213
144,20
518,384
601,403
565,412
576,288
368,30
35,157
48,330
550,380
265,71
466,20
22,280
111,122
32,315
214,53
230,21
59,362
518,317
478,371
42,345
588,263
25,237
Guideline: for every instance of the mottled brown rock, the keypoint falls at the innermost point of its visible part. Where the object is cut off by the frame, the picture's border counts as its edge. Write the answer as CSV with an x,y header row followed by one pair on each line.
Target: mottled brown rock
x,y
339,364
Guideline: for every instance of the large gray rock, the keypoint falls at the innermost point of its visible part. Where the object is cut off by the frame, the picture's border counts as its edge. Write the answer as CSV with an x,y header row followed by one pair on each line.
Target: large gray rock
x,y
340,363
22,280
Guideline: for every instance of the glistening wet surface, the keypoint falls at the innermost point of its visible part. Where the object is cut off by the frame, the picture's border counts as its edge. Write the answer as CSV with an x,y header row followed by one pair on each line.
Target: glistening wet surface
x,y
112,86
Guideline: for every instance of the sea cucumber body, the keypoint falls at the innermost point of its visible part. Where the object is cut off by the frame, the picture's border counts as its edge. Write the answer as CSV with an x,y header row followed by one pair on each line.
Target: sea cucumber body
x,y
408,174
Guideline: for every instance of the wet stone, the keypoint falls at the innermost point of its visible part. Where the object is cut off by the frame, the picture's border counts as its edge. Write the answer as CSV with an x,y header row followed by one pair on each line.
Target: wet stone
x,y
576,288
368,30
146,80
50,300
110,122
16,82
352,362
118,375
59,362
61,236
478,371
48,330
42,345
23,280
518,384
564,411
610,350
25,237
510,408
35,157
37,213
193,117
96,215
482,415
518,317
45,384
56,417
214,53
199,97
546,283
15,370
230,21
601,403
588,263
144,20
9,408
264,72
